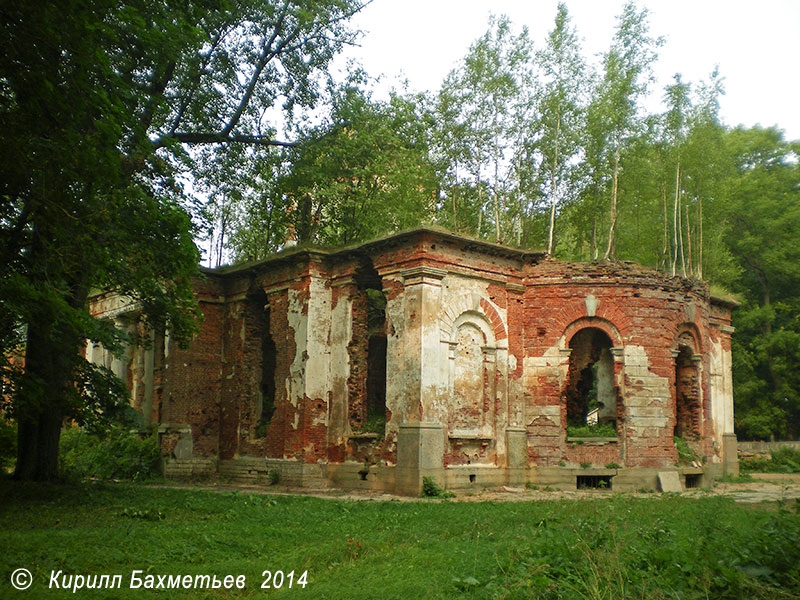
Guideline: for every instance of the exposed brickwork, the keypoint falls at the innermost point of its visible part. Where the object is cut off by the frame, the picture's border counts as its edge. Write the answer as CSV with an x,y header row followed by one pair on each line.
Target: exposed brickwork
x,y
358,351
480,339
285,350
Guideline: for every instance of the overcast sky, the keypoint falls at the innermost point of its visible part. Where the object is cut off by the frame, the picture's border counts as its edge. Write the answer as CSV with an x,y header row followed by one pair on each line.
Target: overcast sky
x,y
755,44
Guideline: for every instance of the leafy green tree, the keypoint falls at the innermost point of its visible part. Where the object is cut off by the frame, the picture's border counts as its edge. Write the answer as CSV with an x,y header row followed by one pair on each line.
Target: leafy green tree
x,y
482,98
362,172
763,207
614,113
98,101
560,112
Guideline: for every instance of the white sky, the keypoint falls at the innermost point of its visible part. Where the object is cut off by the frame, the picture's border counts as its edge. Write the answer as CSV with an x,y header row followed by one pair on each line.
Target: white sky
x,y
754,42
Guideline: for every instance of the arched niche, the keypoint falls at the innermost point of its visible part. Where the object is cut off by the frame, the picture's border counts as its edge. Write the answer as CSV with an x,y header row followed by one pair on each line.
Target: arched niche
x,y
473,373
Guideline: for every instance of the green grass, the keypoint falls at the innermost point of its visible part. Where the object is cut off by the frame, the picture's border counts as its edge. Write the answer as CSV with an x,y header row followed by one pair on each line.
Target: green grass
x,y
619,546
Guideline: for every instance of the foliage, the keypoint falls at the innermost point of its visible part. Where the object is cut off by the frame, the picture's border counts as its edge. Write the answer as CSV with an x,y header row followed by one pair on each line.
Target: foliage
x,y
651,547
483,110
361,172
685,453
117,454
561,114
431,489
606,430
274,476
99,103
782,460
8,443
375,423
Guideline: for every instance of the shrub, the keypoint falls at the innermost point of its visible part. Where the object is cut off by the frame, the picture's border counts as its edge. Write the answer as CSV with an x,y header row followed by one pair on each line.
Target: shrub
x,y
8,443
782,460
118,454
431,489
685,454
375,424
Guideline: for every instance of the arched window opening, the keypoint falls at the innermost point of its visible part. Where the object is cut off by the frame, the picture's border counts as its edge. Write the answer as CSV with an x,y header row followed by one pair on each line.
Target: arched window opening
x,y
687,395
266,400
590,393
368,398
376,382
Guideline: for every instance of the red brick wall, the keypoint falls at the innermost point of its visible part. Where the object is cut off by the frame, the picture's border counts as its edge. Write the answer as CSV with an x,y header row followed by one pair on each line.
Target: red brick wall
x,y
191,391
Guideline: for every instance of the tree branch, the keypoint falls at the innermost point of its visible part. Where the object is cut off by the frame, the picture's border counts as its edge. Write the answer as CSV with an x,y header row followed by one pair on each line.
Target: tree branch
x,y
267,54
221,138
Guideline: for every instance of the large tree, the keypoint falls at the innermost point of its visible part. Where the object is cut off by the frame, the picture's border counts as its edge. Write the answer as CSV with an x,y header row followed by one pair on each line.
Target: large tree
x,y
360,171
98,100
763,209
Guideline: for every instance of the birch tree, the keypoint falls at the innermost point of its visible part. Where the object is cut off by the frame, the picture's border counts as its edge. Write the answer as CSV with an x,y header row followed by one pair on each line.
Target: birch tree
x,y
626,74
560,111
484,89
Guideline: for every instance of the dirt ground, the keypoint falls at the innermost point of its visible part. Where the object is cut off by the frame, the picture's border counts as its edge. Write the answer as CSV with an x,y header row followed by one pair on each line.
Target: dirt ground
x,y
765,487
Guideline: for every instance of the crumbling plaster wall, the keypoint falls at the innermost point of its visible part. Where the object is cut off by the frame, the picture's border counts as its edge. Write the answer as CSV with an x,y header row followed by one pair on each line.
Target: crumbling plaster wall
x,y
478,349
719,368
439,299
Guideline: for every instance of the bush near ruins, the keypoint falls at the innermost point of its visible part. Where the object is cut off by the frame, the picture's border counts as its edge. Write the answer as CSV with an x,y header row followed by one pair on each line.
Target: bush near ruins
x,y
120,454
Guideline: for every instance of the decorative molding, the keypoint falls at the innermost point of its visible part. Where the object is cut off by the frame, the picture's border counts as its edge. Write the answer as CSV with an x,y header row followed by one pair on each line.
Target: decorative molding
x,y
423,271
277,288
343,281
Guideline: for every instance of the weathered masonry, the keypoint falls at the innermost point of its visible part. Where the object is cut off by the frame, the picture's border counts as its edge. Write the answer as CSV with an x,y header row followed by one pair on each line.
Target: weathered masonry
x,y
428,354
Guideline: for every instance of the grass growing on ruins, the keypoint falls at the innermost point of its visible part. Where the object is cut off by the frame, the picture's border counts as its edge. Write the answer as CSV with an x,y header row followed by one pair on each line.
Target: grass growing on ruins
x,y
608,547
606,430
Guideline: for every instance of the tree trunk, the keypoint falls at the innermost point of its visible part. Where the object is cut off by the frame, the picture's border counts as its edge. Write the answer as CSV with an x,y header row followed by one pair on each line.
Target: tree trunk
x,y
612,230
665,246
480,196
52,352
455,204
675,220
496,199
688,240
50,356
680,241
519,199
553,185
700,238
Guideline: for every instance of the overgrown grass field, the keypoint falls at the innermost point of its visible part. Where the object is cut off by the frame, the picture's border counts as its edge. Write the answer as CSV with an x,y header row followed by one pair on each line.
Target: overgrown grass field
x,y
611,546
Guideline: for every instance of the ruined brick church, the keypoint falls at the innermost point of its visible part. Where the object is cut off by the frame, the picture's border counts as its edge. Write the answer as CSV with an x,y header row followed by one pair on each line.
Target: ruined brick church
x,y
430,354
